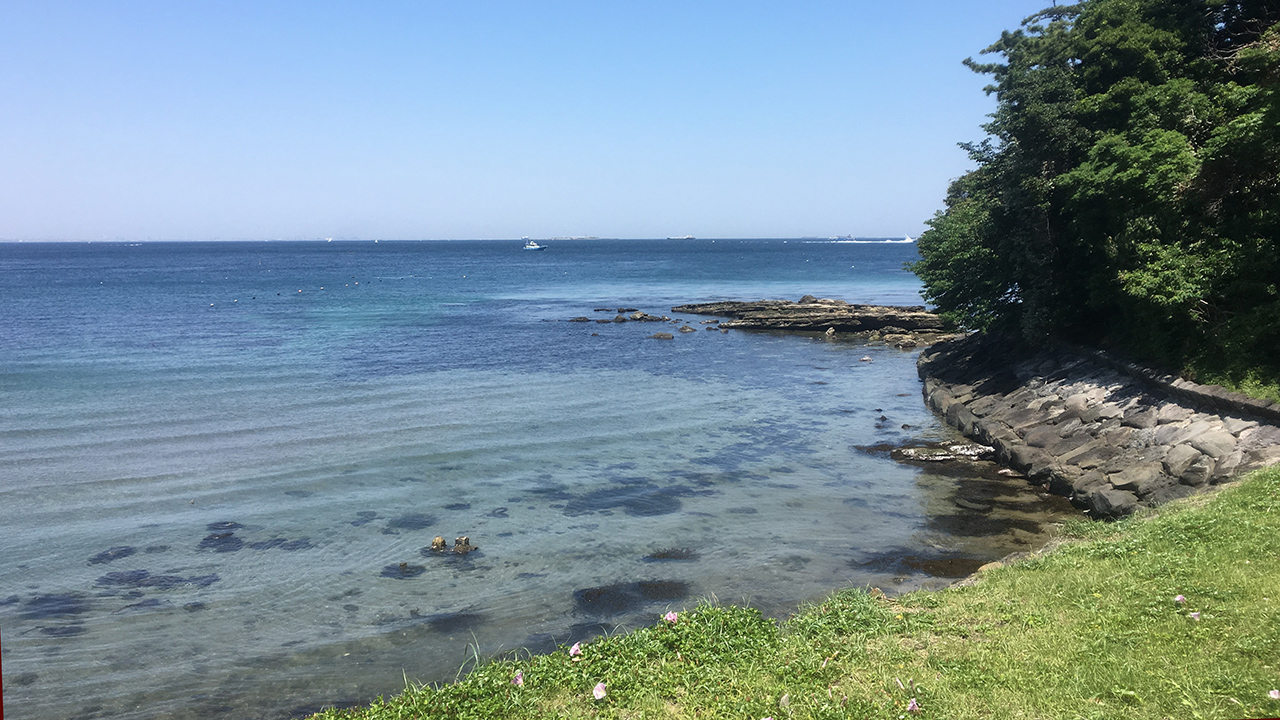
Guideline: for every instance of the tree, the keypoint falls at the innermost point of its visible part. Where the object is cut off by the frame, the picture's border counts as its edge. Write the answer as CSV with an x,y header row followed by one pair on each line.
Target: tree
x,y
1129,190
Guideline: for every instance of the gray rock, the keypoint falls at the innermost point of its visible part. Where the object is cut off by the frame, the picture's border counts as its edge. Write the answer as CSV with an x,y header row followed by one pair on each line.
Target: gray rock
x,y
1179,459
1198,472
1077,403
1140,418
1109,411
1140,478
1042,437
662,336
1235,425
1070,443
1117,437
1259,437
1171,492
1110,502
1227,466
1172,413
1087,482
1024,458
687,329
1215,443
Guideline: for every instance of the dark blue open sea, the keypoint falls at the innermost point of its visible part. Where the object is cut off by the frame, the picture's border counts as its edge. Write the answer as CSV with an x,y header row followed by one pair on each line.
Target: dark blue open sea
x,y
221,464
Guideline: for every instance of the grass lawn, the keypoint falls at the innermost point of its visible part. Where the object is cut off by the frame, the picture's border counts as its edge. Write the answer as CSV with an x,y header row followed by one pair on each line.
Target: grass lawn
x,y
1172,615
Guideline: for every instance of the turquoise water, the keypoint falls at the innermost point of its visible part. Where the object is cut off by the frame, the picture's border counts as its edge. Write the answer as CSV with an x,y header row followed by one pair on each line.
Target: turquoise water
x,y
221,465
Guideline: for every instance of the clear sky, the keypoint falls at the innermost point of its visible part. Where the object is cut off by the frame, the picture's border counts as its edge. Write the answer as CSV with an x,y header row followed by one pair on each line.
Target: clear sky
x,y
485,119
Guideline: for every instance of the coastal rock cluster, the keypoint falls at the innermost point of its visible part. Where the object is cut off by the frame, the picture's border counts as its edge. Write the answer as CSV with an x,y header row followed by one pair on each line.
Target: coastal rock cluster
x,y
903,327
1088,429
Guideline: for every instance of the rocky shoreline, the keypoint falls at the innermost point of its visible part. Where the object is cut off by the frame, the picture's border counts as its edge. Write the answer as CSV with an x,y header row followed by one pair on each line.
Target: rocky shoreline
x,y
902,327
1108,435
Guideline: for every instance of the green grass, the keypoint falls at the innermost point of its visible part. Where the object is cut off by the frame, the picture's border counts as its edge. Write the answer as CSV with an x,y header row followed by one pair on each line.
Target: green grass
x,y
1090,629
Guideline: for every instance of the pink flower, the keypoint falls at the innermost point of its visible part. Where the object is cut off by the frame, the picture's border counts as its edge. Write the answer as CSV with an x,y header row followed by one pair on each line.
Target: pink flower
x,y
576,649
1180,599
914,706
1274,694
1194,616
670,617
599,692
518,680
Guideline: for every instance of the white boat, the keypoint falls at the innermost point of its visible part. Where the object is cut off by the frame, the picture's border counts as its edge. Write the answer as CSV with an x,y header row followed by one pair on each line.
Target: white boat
x,y
531,245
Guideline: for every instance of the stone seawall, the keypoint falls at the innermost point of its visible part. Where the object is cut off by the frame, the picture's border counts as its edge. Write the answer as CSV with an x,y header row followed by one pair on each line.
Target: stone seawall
x,y
1105,434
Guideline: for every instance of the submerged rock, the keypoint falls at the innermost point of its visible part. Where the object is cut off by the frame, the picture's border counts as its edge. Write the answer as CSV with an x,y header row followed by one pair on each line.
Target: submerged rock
x,y
115,553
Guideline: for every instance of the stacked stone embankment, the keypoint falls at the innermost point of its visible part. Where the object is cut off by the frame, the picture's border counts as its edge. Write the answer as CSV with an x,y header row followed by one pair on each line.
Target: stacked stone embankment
x,y
1103,433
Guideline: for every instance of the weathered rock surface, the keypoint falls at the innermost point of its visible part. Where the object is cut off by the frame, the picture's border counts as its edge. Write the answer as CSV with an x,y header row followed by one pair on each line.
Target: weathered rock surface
x,y
1097,431
904,327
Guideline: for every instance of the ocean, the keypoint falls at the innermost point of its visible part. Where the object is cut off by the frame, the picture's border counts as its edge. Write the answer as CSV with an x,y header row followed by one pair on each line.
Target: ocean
x,y
222,464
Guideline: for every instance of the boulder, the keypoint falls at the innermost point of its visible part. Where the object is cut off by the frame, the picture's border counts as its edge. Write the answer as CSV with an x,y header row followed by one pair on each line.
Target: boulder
x,y
1179,459
1171,413
1140,418
1110,502
1215,443
662,336
1139,478
1199,472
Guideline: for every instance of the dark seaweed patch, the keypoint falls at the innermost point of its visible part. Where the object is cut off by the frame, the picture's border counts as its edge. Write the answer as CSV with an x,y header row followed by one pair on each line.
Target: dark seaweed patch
x,y
948,567
529,575
144,579
455,622
222,542
300,493
350,608
627,597
11,600
638,500
223,526
144,605
411,521
283,544
23,680
115,553
500,512
671,554
458,506
52,606
152,549
193,606
364,517
62,630
552,492
742,511
970,525
403,571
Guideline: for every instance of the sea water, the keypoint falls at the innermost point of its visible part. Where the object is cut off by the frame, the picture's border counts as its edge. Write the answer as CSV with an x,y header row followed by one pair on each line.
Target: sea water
x,y
222,464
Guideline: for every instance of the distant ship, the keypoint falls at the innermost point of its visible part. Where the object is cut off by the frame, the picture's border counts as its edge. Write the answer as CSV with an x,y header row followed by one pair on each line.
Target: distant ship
x,y
531,245
686,237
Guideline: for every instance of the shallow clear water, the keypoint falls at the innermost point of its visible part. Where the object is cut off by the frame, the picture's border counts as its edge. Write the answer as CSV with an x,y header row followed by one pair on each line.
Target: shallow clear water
x,y
221,464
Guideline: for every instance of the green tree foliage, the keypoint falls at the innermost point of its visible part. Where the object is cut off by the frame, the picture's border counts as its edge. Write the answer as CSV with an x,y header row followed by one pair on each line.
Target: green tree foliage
x,y
1129,192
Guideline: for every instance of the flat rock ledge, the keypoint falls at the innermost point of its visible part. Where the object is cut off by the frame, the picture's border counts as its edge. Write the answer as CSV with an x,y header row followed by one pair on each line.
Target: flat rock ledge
x,y
1107,435
904,327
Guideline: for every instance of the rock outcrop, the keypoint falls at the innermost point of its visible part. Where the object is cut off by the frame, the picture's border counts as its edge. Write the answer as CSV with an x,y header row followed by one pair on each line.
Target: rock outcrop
x,y
1087,429
901,326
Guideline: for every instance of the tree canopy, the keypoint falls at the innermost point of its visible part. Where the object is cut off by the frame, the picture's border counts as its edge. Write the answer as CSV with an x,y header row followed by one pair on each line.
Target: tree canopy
x,y
1128,192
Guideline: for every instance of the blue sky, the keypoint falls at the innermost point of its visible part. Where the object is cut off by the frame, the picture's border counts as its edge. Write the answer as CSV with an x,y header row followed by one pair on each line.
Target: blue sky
x,y
478,119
